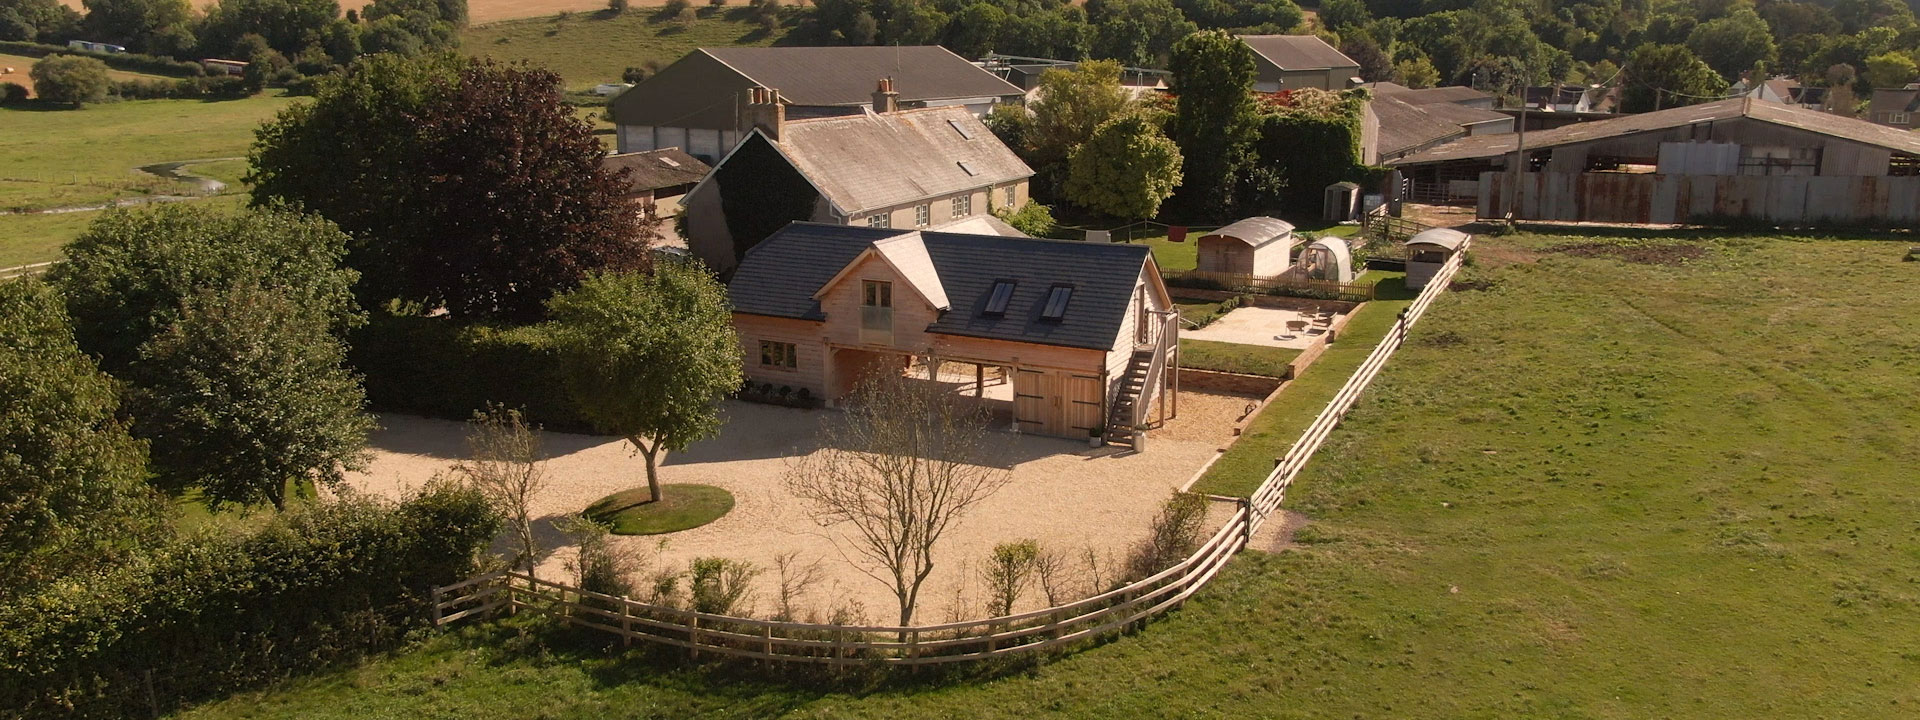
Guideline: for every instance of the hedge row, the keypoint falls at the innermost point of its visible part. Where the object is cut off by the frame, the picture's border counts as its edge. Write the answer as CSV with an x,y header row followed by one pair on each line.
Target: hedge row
x,y
440,368
211,613
131,62
223,87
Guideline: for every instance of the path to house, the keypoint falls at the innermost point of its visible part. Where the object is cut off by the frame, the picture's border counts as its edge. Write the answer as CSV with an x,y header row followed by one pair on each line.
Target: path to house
x,y
1063,494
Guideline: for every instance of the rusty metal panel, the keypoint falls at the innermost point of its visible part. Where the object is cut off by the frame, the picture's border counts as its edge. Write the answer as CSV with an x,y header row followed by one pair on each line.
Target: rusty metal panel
x,y
1786,198
1793,200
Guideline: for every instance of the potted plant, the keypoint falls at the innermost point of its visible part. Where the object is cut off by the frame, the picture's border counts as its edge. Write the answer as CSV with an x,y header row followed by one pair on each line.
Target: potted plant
x,y
1096,436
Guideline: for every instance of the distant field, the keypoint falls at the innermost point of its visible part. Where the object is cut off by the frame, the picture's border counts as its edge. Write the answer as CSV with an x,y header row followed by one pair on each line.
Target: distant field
x,y
478,11
587,49
34,238
21,65
56,158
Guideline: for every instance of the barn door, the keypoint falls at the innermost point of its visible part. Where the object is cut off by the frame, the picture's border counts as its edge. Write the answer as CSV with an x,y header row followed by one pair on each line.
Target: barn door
x,y
1083,403
1030,402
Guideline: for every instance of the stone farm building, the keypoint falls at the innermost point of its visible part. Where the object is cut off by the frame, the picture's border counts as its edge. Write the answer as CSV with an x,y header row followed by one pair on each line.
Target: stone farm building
x,y
699,103
889,169
656,175
1085,331
1292,62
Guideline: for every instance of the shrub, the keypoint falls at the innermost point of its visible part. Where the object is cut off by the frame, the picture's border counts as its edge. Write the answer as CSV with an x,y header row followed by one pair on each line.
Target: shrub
x,y
617,7
1175,534
11,93
634,75
718,586
70,80
599,566
1008,572
230,608
672,8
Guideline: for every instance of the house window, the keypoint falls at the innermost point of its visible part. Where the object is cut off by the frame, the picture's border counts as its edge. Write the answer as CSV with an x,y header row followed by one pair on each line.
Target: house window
x,y
1010,194
876,312
778,354
963,205
923,214
1898,118
880,220
1057,298
997,300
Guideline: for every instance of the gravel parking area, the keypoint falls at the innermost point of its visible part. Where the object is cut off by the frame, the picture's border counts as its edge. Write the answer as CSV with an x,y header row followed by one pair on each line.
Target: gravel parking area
x,y
1064,494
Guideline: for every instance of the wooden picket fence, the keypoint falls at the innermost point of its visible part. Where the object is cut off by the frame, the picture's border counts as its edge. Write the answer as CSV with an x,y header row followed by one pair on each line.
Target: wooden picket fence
x,y
1048,629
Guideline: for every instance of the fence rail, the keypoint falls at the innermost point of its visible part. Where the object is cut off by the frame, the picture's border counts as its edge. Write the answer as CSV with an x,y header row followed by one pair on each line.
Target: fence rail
x,y
1326,289
1020,633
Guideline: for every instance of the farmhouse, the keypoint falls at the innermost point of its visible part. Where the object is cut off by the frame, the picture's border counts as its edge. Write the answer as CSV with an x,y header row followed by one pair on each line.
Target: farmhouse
x,y
1896,107
886,169
1085,331
1732,159
1291,62
700,103
657,175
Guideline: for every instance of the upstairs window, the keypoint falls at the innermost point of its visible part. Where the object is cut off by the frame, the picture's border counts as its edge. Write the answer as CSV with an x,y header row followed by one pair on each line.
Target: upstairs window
x,y
997,300
963,205
880,220
1057,298
923,215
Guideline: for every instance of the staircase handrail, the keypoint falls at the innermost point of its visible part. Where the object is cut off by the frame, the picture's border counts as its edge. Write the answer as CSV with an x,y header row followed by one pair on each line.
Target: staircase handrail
x,y
1169,333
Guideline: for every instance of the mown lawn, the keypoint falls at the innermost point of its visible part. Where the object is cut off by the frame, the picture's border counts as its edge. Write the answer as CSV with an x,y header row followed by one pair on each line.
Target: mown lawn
x,y
590,48
1592,489
1236,357
74,157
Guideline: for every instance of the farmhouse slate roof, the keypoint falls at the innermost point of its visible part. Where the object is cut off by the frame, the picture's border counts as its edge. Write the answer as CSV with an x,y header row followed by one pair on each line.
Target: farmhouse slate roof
x,y
846,75
868,161
656,169
779,277
1793,116
1298,52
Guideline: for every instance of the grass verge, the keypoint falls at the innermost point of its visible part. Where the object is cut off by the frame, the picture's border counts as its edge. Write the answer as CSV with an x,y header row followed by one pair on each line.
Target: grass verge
x,y
1236,357
682,506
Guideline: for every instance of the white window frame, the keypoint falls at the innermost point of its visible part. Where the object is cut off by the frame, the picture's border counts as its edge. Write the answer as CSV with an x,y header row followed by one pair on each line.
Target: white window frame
x,y
923,215
963,205
880,220
1899,118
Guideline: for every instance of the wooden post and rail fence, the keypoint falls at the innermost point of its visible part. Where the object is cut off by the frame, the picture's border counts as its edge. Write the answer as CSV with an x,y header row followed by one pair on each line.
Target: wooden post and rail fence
x,y
1024,633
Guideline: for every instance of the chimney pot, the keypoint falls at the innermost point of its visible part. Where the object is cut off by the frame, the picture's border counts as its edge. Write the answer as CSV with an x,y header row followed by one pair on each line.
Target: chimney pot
x,y
885,100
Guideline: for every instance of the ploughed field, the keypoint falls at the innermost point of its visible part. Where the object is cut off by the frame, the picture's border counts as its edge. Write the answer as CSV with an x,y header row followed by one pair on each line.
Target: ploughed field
x,y
1612,478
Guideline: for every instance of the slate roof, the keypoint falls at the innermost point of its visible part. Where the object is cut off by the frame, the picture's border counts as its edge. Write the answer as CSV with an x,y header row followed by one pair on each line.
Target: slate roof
x,y
1298,52
656,169
868,161
1405,127
846,75
1793,116
1906,100
779,277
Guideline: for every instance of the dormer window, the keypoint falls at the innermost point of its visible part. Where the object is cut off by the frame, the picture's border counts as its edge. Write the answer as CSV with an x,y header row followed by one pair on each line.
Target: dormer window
x,y
997,300
1057,298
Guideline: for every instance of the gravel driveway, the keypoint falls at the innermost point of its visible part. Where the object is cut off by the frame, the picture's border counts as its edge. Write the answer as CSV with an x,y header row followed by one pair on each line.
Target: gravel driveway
x,y
1065,495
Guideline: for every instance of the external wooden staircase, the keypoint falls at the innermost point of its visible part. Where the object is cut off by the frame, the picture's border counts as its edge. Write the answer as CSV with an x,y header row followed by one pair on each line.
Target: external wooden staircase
x,y
1120,415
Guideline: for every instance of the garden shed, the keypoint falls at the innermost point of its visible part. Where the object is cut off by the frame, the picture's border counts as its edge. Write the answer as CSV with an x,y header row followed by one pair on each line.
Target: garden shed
x,y
1427,251
1256,246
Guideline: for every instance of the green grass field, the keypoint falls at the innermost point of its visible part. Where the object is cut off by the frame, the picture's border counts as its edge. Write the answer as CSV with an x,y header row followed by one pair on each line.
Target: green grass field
x,y
34,238
587,49
74,157
1592,489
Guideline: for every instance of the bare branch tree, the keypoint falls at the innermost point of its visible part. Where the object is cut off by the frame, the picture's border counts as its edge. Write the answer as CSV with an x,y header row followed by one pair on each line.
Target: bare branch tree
x,y
905,464
505,463
796,582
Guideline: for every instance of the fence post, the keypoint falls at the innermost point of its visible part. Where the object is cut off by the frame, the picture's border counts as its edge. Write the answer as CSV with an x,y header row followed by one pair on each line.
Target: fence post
x,y
437,594
626,626
693,638
1246,526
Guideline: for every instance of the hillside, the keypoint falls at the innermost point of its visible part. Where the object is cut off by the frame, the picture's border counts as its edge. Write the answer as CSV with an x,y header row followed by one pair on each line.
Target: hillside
x,y
592,48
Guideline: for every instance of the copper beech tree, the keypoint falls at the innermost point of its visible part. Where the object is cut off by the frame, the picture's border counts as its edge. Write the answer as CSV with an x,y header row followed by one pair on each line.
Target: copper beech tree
x,y
895,474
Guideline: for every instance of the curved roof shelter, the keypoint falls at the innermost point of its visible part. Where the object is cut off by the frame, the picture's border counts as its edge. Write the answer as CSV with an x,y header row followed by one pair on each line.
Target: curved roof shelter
x,y
1447,238
1256,246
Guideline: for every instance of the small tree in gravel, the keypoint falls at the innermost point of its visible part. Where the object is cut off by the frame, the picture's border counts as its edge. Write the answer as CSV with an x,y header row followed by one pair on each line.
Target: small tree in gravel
x,y
796,581
904,465
600,565
648,357
1008,572
505,463
719,586
1175,535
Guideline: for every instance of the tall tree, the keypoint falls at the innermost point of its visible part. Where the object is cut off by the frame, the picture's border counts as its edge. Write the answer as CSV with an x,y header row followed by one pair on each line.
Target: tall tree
x,y
244,393
1664,76
73,489
466,185
1137,33
1126,169
1891,70
42,20
1732,44
648,356
288,25
1070,104
1215,118
149,26
1339,15
128,275
904,465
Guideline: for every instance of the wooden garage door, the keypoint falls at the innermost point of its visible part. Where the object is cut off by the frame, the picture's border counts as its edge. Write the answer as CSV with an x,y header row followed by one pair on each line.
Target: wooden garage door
x,y
1034,395
1083,403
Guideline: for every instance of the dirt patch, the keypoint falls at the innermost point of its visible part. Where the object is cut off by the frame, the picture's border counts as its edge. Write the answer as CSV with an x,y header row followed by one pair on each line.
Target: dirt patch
x,y
1660,254
1277,534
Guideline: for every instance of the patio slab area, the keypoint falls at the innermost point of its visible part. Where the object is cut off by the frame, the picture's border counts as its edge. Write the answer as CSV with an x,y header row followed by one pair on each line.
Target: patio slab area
x,y
1260,326
1063,494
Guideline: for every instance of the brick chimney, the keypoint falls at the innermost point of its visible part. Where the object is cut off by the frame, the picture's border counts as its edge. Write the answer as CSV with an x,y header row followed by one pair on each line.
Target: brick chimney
x,y
765,111
885,100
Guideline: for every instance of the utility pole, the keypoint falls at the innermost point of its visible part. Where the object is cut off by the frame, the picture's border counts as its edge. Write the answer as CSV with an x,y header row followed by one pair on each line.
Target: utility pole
x,y
1519,159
